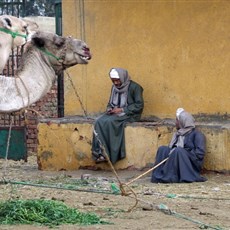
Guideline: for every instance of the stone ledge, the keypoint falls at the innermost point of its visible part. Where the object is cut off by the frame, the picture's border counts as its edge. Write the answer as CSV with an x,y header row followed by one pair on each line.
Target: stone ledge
x,y
65,143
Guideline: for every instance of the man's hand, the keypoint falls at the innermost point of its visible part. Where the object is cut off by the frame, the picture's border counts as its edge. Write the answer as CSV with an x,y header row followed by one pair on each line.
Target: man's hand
x,y
115,111
109,110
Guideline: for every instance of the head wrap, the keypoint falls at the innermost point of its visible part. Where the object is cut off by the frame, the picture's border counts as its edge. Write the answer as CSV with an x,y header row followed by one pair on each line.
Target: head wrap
x,y
178,112
186,121
186,125
114,74
119,94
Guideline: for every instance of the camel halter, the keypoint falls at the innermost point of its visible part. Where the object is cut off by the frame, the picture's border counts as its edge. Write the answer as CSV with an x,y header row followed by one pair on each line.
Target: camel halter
x,y
13,34
49,54
60,59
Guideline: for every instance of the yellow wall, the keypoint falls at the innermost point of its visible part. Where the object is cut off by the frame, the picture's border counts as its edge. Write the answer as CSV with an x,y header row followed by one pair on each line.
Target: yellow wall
x,y
179,51
69,145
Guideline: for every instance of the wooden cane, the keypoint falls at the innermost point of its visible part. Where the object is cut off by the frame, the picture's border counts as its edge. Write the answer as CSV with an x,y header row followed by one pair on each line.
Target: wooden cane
x,y
147,171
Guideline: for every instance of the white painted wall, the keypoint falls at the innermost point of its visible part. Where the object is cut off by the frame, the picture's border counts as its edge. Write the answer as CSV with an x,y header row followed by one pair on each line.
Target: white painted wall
x,y
44,23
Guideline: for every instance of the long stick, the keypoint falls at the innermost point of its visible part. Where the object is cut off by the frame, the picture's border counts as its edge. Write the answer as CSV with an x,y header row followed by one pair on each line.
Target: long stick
x,y
147,171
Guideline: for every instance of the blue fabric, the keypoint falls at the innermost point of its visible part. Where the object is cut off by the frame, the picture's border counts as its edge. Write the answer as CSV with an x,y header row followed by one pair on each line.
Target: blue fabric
x,y
183,164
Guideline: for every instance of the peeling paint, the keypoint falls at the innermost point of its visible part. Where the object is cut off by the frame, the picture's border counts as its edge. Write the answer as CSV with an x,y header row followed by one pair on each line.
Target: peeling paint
x,y
80,156
46,155
142,142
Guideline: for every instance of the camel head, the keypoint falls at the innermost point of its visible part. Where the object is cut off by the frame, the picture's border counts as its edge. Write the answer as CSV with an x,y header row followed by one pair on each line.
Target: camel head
x,y
15,28
43,58
63,52
14,32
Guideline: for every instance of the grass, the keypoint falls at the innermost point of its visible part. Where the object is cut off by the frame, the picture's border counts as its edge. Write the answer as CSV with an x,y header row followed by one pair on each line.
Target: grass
x,y
44,212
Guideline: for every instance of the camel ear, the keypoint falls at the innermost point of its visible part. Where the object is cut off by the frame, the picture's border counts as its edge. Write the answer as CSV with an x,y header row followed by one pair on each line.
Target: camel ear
x,y
59,41
6,22
31,25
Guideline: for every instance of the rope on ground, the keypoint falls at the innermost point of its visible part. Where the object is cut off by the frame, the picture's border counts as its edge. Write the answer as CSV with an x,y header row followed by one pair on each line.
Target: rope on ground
x,y
123,191
202,225
173,196
58,187
160,207
170,195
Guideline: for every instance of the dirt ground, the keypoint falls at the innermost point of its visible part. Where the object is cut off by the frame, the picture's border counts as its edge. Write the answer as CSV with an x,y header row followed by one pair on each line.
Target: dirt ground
x,y
159,206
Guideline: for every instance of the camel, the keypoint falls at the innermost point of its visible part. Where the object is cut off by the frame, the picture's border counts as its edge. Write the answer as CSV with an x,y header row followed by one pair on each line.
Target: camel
x,y
14,32
46,56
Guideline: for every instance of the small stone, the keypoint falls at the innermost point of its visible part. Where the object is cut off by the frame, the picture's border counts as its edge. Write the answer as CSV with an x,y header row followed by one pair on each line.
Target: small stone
x,y
85,176
147,207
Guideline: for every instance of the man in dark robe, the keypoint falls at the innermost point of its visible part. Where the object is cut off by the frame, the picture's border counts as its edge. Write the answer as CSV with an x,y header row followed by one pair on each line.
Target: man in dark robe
x,y
185,153
125,105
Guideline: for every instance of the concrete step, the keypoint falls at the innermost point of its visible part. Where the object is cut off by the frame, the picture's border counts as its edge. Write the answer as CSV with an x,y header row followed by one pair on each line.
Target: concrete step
x,y
65,144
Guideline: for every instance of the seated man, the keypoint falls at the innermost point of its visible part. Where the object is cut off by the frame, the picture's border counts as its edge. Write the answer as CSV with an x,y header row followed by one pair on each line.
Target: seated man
x,y
185,153
125,105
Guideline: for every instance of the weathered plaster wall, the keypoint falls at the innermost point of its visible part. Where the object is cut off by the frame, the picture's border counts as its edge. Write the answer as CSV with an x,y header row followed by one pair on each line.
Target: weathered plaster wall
x,y
68,145
179,51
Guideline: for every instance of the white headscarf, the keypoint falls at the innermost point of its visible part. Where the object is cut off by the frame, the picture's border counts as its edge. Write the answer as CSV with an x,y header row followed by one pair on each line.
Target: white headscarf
x,y
178,112
114,74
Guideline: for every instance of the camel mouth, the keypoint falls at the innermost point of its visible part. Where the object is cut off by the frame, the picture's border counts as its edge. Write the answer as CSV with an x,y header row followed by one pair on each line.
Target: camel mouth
x,y
85,58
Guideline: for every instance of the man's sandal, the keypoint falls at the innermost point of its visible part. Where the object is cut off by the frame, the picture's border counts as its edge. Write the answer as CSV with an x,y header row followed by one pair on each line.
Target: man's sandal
x,y
100,159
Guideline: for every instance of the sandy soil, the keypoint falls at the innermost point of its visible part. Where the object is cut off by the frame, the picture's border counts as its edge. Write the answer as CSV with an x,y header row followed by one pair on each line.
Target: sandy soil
x,y
159,206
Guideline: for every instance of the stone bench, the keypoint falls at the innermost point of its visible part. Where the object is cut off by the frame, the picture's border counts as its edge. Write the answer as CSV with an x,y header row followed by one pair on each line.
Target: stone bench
x,y
65,144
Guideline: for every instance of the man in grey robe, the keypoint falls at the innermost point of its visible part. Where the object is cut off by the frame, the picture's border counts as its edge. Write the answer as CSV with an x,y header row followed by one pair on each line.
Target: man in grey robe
x,y
125,105
185,153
